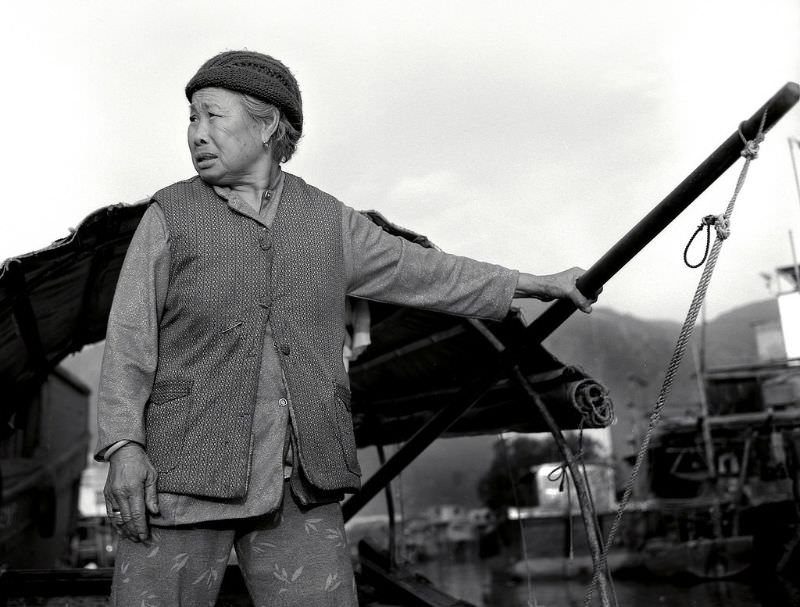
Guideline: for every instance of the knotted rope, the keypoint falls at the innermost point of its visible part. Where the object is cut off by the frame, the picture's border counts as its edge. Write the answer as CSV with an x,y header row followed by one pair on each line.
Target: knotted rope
x,y
532,600
592,402
597,411
560,474
749,153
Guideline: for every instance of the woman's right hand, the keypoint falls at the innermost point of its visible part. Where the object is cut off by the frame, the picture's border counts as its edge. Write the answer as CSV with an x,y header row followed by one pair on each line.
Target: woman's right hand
x,y
130,491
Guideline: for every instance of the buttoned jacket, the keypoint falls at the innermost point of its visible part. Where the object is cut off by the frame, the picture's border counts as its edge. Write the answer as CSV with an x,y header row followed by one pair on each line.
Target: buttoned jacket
x,y
228,278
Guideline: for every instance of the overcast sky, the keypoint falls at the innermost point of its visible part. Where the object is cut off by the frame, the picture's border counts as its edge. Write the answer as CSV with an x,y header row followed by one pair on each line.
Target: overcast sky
x,y
529,134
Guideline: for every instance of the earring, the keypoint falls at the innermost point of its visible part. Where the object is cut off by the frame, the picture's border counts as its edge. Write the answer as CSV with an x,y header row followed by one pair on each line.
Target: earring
x,y
266,144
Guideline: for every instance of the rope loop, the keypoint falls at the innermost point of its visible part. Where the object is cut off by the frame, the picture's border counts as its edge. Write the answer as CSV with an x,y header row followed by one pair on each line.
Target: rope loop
x,y
721,226
559,473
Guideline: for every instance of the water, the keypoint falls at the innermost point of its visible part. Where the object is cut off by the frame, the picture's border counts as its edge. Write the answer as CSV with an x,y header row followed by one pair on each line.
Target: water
x,y
473,581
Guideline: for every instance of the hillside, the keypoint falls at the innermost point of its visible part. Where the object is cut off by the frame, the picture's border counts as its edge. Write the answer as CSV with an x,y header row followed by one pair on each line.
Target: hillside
x,y
730,338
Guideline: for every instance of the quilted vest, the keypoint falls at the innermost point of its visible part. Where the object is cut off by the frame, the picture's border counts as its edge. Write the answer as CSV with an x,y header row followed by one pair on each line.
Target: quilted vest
x,y
229,276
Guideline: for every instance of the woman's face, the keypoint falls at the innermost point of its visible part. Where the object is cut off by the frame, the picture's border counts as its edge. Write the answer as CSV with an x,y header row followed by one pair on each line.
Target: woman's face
x,y
225,142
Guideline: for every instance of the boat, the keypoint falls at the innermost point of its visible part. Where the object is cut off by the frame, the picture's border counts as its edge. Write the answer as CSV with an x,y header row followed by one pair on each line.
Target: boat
x,y
42,454
726,482
555,544
721,491
424,376
55,301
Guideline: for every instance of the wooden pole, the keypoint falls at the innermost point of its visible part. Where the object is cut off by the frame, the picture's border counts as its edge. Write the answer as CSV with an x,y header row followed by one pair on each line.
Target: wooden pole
x,y
581,487
619,255
667,210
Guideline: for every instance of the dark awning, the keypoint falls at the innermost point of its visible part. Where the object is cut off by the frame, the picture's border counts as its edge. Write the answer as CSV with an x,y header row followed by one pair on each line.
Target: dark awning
x,y
56,300
419,360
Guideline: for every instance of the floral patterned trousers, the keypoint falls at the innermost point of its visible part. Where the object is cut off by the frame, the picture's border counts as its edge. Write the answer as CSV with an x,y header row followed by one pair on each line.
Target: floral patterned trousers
x,y
295,556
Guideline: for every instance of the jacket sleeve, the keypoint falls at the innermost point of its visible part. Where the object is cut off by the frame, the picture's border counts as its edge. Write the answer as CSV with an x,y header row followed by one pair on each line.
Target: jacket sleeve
x,y
386,268
131,350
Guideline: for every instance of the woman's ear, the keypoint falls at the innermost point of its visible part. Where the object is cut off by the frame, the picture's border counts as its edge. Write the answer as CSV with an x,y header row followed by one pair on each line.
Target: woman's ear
x,y
270,124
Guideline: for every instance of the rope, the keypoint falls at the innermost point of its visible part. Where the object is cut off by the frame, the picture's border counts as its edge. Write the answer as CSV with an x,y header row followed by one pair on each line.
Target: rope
x,y
592,402
561,474
749,153
580,486
600,538
532,601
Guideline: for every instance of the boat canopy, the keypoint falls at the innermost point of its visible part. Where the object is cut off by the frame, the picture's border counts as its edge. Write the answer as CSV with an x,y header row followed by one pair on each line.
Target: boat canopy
x,y
56,300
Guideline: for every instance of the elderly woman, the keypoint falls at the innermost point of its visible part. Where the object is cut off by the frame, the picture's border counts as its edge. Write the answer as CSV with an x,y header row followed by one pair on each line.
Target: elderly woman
x,y
224,402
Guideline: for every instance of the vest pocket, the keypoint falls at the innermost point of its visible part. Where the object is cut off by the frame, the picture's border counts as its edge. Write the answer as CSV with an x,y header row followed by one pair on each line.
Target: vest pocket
x,y
165,423
344,422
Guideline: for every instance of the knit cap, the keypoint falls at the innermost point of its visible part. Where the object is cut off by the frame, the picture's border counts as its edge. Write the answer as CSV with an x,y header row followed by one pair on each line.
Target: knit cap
x,y
254,74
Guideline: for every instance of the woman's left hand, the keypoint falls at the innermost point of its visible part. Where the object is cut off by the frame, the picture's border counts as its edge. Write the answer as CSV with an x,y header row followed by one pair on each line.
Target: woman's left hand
x,y
561,285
